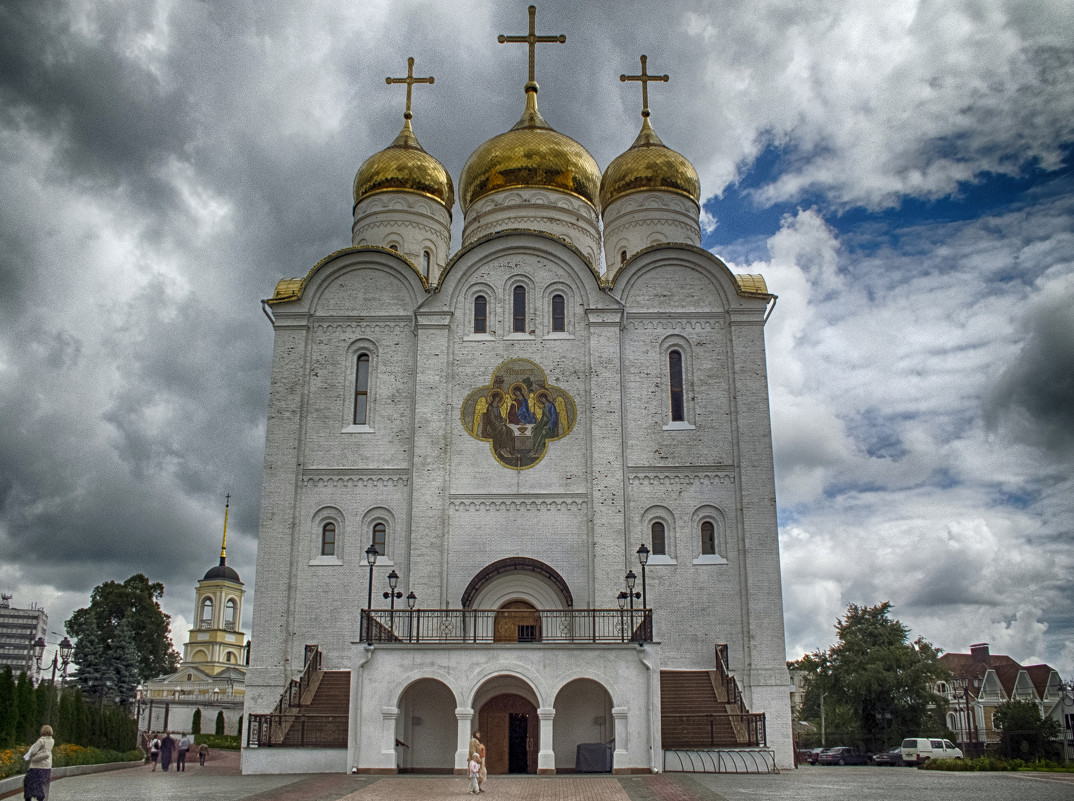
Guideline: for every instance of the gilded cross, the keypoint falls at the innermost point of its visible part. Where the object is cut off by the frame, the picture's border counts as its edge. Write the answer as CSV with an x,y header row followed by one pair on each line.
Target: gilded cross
x,y
644,78
409,80
532,39
227,499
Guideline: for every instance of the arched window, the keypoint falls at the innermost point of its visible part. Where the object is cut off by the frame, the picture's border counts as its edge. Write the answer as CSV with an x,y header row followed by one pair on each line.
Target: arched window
x,y
622,257
708,537
481,308
229,614
519,313
206,613
228,657
559,317
361,390
380,538
426,259
393,247
328,539
660,545
675,370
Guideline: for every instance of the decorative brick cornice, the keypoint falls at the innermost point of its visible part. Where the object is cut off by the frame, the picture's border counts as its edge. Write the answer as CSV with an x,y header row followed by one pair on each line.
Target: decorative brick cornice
x,y
673,324
684,476
320,477
486,503
363,327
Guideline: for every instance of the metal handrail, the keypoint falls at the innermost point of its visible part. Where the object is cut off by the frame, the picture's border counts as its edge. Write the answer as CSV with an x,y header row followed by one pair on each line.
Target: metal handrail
x,y
503,626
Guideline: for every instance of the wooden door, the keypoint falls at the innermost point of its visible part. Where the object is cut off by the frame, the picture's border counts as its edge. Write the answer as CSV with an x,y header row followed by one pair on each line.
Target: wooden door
x,y
494,720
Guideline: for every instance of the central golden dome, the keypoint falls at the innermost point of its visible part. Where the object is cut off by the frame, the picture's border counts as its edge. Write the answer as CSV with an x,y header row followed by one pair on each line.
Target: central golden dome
x,y
404,166
649,164
531,154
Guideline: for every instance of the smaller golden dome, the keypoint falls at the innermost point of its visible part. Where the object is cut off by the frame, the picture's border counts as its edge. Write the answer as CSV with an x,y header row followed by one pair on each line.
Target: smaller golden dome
x,y
531,154
404,166
649,165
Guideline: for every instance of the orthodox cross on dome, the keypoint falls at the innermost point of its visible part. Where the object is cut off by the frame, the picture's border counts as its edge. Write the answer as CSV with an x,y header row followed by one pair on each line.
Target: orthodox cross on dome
x,y
644,79
409,80
532,39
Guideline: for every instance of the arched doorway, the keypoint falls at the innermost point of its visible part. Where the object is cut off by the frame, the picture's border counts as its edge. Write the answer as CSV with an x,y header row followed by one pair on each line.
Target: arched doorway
x,y
517,621
425,731
583,717
511,732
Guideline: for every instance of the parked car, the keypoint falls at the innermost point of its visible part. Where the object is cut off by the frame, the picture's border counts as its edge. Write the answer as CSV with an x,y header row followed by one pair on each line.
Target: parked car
x,y
814,755
919,750
892,757
841,755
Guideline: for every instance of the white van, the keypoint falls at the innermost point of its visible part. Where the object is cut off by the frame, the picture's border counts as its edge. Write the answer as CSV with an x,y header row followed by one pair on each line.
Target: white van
x,y
919,750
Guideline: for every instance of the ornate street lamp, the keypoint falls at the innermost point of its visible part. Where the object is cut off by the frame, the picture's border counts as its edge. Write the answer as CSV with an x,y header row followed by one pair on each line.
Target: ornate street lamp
x,y
392,593
643,557
411,600
371,558
621,598
631,580
39,652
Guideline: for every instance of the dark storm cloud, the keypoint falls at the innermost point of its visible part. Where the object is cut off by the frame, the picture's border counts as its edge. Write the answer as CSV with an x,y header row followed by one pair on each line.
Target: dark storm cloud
x,y
1034,395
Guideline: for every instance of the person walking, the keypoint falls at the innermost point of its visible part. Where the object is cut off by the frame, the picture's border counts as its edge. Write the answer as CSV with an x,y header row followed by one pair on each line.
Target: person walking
x,y
184,747
477,747
167,749
154,750
39,773
203,752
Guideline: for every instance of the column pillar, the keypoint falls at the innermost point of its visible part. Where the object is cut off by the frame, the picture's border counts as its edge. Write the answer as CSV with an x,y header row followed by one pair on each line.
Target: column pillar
x,y
465,717
387,744
546,757
619,715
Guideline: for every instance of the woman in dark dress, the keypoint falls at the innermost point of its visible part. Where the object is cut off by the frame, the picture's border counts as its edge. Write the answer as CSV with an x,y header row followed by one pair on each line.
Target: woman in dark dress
x,y
39,773
167,749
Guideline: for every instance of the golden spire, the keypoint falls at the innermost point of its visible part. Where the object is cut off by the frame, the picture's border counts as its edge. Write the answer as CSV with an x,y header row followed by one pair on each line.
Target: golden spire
x,y
223,545
644,79
532,39
409,80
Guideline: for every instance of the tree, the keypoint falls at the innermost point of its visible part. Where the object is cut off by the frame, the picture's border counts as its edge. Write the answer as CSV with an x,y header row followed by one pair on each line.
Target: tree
x,y
220,722
1024,734
876,685
195,722
26,728
135,602
9,708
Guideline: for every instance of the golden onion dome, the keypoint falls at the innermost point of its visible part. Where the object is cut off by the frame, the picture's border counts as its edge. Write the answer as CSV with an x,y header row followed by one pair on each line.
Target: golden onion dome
x,y
531,154
404,166
649,165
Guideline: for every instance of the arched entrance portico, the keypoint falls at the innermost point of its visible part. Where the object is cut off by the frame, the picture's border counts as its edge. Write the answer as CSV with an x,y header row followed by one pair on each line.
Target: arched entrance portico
x,y
424,729
506,714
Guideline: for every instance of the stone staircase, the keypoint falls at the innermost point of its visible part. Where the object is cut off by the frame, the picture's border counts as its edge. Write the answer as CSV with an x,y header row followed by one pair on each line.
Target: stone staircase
x,y
324,712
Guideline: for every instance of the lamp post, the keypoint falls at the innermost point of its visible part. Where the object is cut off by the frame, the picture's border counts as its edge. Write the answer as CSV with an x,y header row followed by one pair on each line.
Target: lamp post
x,y
392,593
643,557
621,598
631,580
411,600
371,558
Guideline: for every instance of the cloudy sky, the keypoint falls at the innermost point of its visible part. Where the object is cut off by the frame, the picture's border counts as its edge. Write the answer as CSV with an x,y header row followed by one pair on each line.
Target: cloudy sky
x,y
899,172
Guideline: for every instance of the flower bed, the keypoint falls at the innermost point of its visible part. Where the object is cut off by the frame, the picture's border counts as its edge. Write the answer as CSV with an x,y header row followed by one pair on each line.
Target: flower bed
x,y
12,763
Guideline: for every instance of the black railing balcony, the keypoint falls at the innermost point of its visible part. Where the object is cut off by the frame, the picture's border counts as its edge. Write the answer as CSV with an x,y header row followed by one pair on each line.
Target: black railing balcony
x,y
472,626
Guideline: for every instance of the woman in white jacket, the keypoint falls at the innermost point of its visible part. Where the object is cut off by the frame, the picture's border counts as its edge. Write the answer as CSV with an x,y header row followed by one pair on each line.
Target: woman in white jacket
x,y
39,772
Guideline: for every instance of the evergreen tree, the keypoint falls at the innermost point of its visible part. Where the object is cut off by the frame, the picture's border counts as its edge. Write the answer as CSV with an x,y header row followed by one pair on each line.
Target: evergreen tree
x,y
238,730
43,696
220,722
27,725
124,661
195,722
9,708
1025,735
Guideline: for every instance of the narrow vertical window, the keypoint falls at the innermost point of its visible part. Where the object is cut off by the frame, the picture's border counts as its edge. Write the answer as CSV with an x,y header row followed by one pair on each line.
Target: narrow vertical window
x,y
622,258
708,537
675,367
229,614
206,614
328,539
361,390
660,545
481,306
519,326
380,537
559,318
426,259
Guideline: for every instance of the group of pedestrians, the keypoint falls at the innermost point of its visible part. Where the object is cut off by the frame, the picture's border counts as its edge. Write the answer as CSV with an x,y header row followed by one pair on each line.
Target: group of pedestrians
x,y
477,772
162,749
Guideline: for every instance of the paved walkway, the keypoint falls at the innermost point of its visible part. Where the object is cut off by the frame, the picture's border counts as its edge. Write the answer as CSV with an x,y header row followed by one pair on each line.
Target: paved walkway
x,y
220,780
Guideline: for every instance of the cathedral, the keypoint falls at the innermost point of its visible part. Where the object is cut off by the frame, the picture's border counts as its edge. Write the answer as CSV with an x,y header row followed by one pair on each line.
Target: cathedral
x,y
523,487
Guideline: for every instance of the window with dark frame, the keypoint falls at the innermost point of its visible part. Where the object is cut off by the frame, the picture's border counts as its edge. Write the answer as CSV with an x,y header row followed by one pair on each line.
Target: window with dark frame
x,y
659,539
380,537
519,316
229,614
675,368
206,613
559,317
481,306
361,390
708,537
426,259
328,539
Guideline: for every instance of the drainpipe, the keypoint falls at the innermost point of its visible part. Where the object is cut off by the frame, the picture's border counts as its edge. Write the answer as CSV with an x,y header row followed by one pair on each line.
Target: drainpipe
x,y
655,745
265,309
357,682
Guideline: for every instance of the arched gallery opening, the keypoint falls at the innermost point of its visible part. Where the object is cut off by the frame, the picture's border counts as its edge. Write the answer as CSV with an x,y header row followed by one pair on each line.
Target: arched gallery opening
x,y
425,731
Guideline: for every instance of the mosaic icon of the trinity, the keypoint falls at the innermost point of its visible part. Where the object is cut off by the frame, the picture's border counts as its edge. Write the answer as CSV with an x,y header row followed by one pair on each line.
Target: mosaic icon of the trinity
x,y
518,412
